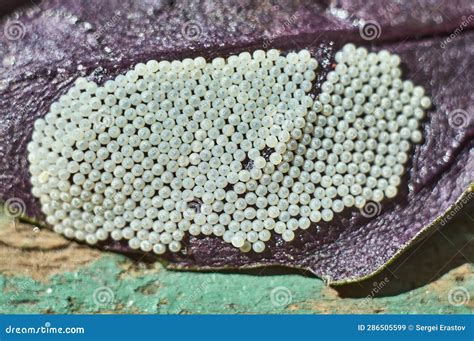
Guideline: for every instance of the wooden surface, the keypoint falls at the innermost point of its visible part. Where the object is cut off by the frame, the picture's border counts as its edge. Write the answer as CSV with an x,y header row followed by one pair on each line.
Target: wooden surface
x,y
41,272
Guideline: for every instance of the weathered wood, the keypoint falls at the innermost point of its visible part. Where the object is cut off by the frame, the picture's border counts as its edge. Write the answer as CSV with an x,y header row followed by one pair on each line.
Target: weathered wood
x,y
41,272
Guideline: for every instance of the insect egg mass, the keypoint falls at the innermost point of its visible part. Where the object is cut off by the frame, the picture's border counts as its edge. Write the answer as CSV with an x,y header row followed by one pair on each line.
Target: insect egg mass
x,y
237,148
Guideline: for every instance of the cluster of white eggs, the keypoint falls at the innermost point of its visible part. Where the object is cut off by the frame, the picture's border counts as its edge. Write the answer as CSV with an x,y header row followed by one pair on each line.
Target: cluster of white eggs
x,y
355,142
234,148
168,148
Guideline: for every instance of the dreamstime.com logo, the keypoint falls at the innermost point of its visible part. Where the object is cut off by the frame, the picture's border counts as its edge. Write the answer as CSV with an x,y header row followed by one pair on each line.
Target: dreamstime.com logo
x,y
280,296
103,296
14,30
191,30
107,26
458,119
464,23
457,208
17,295
371,209
284,27
198,291
46,329
14,208
458,296
376,288
370,30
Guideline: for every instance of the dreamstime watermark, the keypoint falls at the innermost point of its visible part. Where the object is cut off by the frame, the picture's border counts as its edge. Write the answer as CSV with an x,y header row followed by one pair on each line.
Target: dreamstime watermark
x,y
196,292
191,30
59,13
107,26
249,25
464,23
370,30
248,21
281,296
287,23
14,207
458,296
458,118
376,288
457,208
46,329
371,209
24,286
14,30
103,296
